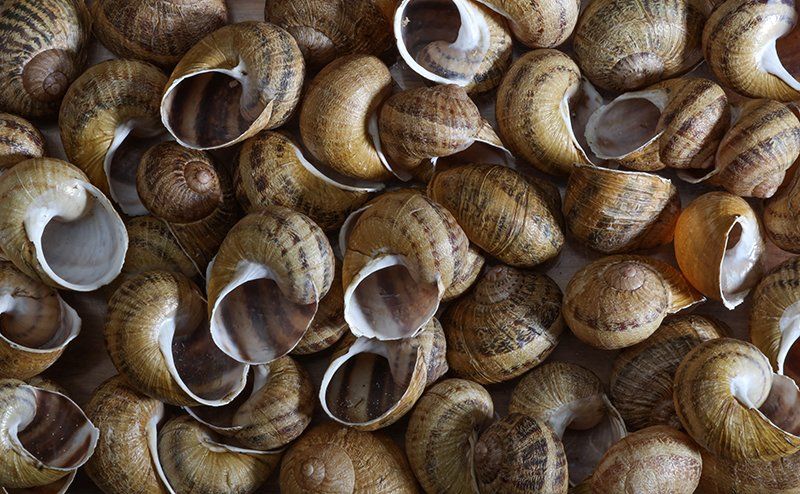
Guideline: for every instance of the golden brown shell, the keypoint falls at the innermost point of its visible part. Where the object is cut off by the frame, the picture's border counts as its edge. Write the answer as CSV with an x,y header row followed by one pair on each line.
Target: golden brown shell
x,y
780,215
152,246
19,140
721,476
538,24
328,325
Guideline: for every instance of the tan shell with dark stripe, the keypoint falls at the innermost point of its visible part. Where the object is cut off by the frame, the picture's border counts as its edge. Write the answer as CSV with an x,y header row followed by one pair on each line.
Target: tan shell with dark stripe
x,y
781,220
538,24
328,325
152,246
19,140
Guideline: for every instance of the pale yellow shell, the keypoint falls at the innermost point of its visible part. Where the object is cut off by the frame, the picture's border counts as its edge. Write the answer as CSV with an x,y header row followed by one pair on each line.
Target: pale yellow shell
x,y
19,140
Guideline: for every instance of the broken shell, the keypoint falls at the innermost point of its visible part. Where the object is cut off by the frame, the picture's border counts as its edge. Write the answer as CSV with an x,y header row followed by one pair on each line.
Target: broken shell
x,y
152,246
44,50
508,324
753,476
233,83
719,246
265,285
442,433
642,376
571,400
57,227
618,211
108,119
328,325
780,218
511,217
618,301
19,140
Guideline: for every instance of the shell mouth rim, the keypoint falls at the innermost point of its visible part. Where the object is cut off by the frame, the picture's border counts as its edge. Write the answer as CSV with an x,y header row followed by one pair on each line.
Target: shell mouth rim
x,y
755,268
70,324
594,102
325,175
769,60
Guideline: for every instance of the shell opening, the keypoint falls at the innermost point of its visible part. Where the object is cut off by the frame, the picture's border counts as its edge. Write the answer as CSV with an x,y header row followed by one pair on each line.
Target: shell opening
x,y
782,406
627,124
121,162
226,417
781,55
577,107
37,324
740,268
338,180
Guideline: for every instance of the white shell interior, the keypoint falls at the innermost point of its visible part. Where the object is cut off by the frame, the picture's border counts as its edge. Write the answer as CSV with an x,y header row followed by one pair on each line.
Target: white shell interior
x,y
152,445
329,176
772,57
789,324
36,325
740,267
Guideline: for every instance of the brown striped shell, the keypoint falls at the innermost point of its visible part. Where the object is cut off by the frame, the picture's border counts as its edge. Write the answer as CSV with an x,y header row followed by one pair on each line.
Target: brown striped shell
x,y
754,476
538,24
19,140
506,325
152,246
781,221
620,300
44,49
233,83
467,274
328,325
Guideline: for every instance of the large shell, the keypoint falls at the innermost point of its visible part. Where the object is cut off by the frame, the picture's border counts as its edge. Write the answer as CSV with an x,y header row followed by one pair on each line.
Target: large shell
x,y
333,458
619,211
328,325
781,219
445,424
570,399
509,323
109,117
620,300
158,31
719,246
233,83
57,227
44,49
514,219
721,476
152,246
19,140
642,376
265,285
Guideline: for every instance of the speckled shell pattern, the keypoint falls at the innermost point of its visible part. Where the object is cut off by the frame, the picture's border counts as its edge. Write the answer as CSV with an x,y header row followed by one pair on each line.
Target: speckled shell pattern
x,y
721,476
775,293
328,325
152,246
44,49
19,140
538,24
781,221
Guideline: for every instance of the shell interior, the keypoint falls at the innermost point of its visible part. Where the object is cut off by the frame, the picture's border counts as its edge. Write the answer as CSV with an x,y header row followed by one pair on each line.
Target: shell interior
x,y
37,325
788,359
780,56
577,107
338,180
740,267
780,407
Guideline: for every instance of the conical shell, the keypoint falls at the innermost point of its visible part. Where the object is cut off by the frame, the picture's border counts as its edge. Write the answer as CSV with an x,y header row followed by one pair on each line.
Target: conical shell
x,y
781,220
721,476
538,24
328,325
19,140
152,246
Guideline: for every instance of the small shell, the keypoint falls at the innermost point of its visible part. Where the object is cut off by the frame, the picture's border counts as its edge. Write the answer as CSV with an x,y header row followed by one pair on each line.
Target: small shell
x,y
571,400
44,49
19,140
157,31
152,246
616,211
642,376
730,378
446,422
657,459
538,24
719,246
233,83
781,220
508,324
328,325
618,301
83,249
509,216
333,458
754,476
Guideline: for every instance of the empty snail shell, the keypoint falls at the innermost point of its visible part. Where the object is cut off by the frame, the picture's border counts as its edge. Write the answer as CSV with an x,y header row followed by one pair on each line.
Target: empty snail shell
x,y
273,171
619,211
511,217
730,378
750,47
44,50
334,458
508,324
538,24
45,435
273,411
520,454
754,476
780,218
152,246
56,226
109,117
656,459
392,284
659,40
372,383
36,324
233,83
445,424
338,124
642,376
19,140
719,246
328,325
157,337
571,400
157,31
467,274
266,283
620,300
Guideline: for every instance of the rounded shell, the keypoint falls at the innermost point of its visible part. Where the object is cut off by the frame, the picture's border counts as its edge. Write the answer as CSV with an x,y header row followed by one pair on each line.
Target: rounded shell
x,y
780,218
721,476
328,325
153,246
19,140
539,24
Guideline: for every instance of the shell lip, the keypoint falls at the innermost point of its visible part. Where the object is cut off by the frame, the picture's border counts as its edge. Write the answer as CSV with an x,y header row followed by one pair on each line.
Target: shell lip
x,y
330,177
619,171
70,321
752,250
789,324
768,58
349,223
151,429
594,102
375,136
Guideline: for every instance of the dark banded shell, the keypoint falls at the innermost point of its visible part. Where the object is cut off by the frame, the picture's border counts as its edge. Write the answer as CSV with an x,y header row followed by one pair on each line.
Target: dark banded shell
x,y
328,325
19,140
538,24
781,220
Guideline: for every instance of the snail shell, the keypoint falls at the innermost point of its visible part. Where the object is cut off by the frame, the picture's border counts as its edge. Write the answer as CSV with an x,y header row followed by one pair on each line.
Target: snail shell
x,y
157,338
45,435
467,274
44,50
328,325
265,285
780,218
36,325
730,378
754,476
445,423
397,265
642,376
509,216
233,83
656,459
152,246
619,211
157,31
333,458
572,402
372,383
59,228
618,301
109,117
508,324
520,454
19,140
719,245
538,24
